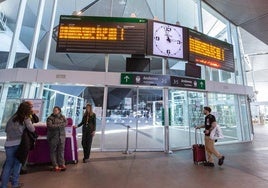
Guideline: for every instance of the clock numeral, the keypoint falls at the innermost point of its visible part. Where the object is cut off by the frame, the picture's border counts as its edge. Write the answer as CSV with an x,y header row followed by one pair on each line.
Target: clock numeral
x,y
157,38
168,52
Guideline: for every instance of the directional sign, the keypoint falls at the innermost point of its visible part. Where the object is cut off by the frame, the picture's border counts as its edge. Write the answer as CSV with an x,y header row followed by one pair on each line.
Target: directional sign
x,y
162,80
127,78
187,82
145,79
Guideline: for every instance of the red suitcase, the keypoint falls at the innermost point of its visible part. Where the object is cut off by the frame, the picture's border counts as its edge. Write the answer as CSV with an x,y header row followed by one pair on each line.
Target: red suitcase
x,y
199,152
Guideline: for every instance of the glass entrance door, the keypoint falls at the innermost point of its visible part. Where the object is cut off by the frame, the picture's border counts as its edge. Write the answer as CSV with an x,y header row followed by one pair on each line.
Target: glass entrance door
x,y
185,112
136,114
150,129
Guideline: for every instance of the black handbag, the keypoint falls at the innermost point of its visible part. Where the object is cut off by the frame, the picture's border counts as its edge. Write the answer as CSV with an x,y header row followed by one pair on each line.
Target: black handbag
x,y
27,144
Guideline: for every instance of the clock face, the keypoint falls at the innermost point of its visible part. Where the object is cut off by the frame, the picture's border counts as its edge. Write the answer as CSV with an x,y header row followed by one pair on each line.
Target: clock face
x,y
167,40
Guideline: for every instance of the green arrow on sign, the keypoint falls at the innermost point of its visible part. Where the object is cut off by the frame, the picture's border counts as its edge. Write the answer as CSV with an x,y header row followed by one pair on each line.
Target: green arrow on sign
x,y
126,78
201,84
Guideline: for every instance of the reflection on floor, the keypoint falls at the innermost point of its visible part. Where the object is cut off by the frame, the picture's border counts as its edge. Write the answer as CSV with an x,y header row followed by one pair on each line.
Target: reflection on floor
x,y
144,137
245,166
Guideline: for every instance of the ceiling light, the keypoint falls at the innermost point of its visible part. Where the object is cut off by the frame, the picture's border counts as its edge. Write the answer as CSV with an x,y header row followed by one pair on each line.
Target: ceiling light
x,y
76,13
133,15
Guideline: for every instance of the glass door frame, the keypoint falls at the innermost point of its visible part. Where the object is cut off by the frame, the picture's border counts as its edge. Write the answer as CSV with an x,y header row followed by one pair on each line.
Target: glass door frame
x,y
187,124
104,116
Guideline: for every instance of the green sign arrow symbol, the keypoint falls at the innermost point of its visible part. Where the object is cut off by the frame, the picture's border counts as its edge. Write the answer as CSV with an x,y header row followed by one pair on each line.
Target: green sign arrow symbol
x,y
126,78
201,84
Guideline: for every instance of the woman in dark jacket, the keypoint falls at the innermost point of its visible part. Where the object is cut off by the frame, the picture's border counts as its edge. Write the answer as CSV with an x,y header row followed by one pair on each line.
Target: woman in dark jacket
x,y
88,131
56,123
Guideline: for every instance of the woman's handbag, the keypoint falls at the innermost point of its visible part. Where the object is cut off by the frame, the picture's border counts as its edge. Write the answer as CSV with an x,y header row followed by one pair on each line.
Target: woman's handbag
x,y
27,144
216,133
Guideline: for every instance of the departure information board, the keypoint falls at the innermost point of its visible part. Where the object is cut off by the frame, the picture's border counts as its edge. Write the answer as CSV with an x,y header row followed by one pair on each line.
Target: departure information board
x,y
210,51
87,34
119,35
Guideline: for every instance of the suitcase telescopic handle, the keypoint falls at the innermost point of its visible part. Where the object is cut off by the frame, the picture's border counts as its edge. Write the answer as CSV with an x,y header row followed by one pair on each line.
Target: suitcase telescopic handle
x,y
200,136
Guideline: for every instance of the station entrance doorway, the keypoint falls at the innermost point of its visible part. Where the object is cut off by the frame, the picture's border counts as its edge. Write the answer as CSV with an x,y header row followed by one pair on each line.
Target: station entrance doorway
x,y
140,109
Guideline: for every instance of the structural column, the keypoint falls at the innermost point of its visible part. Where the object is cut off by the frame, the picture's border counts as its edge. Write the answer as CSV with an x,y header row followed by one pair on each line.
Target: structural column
x,y
12,55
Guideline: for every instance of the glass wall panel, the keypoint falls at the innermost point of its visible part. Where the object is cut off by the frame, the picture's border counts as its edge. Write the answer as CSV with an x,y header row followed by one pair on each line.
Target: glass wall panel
x,y
73,106
177,12
8,18
215,74
246,123
93,96
49,98
120,113
226,110
237,56
150,119
196,104
70,61
141,110
157,9
196,116
216,26
139,9
10,106
186,109
14,91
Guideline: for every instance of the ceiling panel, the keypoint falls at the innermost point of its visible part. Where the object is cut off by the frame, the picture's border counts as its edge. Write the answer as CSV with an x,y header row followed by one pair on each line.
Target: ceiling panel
x,y
248,14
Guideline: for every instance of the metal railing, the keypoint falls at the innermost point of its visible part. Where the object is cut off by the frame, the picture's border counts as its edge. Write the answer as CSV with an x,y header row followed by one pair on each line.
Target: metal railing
x,y
127,139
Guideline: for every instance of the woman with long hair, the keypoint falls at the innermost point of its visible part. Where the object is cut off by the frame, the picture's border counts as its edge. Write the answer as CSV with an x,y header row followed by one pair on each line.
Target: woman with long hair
x,y
14,130
88,131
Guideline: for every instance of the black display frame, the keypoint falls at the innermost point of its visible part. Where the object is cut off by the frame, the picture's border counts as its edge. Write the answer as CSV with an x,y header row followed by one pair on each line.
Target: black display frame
x,y
138,64
133,29
192,70
224,50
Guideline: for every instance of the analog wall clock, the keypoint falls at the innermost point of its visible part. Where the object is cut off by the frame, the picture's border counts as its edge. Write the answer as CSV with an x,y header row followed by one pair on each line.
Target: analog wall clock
x,y
167,40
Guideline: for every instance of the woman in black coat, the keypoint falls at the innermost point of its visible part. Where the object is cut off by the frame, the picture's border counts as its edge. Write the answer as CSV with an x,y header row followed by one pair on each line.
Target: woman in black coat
x,y
88,131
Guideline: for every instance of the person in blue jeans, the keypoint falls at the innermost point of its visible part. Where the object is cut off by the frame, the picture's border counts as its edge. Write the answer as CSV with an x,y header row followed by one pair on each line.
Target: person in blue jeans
x,y
14,129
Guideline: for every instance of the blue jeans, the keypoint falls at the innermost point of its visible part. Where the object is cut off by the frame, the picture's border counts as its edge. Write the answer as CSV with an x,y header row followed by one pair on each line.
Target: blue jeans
x,y
11,166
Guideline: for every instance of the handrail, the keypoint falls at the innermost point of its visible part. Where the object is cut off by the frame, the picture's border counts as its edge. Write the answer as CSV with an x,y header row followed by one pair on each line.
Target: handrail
x,y
127,140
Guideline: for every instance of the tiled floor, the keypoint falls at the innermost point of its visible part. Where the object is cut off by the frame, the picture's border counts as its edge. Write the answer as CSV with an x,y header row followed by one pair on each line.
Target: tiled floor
x,y
245,166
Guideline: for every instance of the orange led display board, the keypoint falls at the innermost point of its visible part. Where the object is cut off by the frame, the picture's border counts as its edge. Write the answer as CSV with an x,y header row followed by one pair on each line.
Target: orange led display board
x,y
120,35
87,34
210,51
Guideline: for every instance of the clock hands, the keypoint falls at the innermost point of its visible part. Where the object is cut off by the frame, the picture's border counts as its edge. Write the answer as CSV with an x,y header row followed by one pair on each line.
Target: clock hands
x,y
169,37
167,30
173,40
